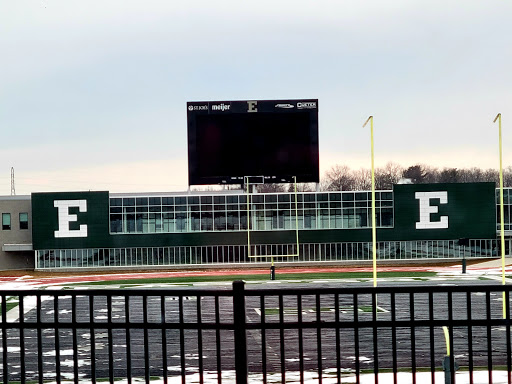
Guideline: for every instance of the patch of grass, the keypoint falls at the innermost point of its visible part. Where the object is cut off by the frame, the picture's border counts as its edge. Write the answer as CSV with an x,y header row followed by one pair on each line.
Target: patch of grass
x,y
249,277
9,305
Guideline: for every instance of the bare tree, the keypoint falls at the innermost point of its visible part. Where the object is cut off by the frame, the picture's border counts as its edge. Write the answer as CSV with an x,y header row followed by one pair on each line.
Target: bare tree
x,y
302,187
491,175
470,175
387,176
507,177
341,177
270,188
431,174
206,188
338,178
363,180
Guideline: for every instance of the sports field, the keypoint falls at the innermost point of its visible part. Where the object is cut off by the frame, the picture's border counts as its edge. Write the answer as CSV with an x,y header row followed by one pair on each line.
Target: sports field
x,y
174,363
486,269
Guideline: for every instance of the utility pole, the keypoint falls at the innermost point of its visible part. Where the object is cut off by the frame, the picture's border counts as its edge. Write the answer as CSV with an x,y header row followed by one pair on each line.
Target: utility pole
x,y
13,189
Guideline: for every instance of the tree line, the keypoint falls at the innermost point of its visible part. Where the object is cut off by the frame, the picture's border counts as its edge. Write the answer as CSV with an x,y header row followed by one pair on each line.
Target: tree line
x,y
343,178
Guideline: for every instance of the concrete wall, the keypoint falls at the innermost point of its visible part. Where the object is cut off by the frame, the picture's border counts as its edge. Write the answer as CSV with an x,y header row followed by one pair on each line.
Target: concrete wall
x,y
16,259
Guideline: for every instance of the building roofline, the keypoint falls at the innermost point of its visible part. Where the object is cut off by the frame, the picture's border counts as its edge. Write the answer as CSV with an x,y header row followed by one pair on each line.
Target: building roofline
x,y
15,197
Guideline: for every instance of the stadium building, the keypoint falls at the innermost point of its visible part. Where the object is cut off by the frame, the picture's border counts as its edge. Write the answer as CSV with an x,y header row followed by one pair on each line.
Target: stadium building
x,y
98,230
277,140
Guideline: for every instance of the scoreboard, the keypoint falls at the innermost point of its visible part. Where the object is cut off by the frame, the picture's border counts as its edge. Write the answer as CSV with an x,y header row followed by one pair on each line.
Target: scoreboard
x,y
270,141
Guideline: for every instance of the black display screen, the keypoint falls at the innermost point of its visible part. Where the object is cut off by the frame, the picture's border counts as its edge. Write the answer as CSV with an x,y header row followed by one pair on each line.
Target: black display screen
x,y
277,141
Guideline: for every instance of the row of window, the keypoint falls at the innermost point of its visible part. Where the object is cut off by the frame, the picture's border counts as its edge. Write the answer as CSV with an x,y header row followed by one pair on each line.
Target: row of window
x,y
6,221
507,196
330,210
266,220
220,254
204,201
325,210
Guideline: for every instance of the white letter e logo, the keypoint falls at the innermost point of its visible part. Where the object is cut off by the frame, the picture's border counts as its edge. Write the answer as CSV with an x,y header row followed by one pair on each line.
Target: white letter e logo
x,y
426,209
65,218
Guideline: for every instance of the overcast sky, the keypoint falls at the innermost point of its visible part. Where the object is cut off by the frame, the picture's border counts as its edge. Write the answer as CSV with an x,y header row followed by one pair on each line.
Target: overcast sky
x,y
93,93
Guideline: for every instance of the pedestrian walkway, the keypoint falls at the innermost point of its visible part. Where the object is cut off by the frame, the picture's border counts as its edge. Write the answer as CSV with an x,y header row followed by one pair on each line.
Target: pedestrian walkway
x,y
493,263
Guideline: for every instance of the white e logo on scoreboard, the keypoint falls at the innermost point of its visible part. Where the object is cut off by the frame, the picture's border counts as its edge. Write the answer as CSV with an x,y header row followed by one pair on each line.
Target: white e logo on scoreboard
x,y
252,106
426,210
65,218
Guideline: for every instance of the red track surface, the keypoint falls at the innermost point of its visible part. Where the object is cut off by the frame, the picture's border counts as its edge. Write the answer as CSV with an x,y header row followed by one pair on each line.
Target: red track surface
x,y
29,280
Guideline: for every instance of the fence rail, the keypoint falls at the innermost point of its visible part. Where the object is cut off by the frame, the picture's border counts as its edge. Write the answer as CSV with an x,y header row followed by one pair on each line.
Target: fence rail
x,y
263,335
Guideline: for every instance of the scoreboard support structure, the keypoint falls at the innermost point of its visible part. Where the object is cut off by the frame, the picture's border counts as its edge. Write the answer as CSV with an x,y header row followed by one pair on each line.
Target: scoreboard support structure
x,y
271,256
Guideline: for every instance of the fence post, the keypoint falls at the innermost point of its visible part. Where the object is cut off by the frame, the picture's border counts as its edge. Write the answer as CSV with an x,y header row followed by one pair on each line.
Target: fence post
x,y
240,332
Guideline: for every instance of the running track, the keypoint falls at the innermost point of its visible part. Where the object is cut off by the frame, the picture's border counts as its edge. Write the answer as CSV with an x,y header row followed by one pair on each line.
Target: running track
x,y
28,281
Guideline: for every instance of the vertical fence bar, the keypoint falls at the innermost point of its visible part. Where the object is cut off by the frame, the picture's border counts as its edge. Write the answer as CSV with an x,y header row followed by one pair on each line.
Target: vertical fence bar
x,y
200,340
375,340
338,341
509,349
57,339
128,339
240,332
319,338
164,339
147,370
301,338
393,337
356,336
281,339
489,334
413,337
110,339
75,337
263,339
93,338
450,327
182,338
432,339
4,339
21,308
217,341
39,340
470,337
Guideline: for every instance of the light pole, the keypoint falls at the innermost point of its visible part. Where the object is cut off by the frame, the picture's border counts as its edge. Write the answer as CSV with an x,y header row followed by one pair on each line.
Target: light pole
x,y
502,211
374,229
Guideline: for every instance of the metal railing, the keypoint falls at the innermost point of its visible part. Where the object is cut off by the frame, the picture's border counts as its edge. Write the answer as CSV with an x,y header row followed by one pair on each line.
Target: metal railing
x,y
253,335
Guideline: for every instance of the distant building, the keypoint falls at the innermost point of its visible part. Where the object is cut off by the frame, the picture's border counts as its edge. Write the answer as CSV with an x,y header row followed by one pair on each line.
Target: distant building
x,y
16,233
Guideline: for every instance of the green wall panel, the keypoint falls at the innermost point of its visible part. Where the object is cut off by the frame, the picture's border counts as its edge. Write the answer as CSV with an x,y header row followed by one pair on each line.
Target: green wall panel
x,y
470,210
45,220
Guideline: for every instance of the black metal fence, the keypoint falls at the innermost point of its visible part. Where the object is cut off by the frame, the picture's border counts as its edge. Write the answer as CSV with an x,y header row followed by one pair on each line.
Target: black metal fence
x,y
256,335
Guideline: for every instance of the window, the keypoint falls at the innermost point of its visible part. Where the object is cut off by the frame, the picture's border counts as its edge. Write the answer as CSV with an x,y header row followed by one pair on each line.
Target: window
x,y
23,220
6,221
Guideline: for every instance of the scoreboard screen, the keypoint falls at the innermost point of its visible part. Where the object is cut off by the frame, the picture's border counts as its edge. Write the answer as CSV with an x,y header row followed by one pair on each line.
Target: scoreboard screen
x,y
268,140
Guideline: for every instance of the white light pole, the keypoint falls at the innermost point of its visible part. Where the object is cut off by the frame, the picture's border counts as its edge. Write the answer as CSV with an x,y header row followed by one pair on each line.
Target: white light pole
x,y
374,229
502,219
